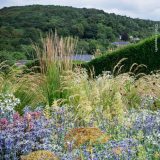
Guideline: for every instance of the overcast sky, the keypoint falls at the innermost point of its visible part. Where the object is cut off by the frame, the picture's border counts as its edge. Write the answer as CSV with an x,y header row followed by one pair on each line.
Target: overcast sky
x,y
145,9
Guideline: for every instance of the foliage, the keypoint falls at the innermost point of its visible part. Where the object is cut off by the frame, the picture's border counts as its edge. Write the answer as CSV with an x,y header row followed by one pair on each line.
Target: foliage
x,y
11,56
22,26
6,56
33,65
141,53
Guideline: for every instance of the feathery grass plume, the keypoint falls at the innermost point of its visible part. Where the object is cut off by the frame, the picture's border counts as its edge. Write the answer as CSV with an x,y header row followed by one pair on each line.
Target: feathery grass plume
x,y
118,65
150,85
139,67
79,87
80,136
57,51
88,96
27,90
120,69
55,59
118,108
140,75
40,155
132,67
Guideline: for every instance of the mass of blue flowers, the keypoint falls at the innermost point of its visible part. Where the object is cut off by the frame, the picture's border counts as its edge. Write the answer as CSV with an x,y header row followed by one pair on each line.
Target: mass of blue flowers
x,y
137,137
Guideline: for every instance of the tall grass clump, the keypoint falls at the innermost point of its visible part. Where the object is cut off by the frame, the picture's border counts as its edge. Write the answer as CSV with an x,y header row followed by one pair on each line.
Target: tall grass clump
x,y
55,59
110,96
23,86
54,55
94,96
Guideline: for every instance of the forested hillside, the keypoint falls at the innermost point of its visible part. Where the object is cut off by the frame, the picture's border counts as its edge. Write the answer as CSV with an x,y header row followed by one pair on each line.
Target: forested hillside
x,y
20,26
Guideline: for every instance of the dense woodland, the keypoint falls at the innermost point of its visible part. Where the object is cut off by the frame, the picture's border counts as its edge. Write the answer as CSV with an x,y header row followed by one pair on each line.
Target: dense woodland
x,y
22,26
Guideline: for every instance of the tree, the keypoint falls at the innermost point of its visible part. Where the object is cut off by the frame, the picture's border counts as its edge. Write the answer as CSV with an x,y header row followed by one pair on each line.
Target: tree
x,y
6,56
77,30
125,37
91,31
24,25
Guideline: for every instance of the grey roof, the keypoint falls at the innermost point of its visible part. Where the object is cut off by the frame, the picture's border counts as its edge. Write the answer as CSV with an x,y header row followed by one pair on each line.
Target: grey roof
x,y
83,57
120,43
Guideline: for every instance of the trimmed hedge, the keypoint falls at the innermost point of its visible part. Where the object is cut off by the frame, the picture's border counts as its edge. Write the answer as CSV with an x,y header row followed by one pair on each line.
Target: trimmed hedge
x,y
141,53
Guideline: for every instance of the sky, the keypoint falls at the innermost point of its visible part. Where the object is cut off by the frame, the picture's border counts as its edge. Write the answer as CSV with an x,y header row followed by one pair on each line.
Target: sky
x,y
144,9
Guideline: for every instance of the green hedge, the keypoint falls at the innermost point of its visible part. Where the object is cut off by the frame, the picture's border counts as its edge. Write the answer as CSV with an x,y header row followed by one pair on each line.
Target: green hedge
x,y
141,53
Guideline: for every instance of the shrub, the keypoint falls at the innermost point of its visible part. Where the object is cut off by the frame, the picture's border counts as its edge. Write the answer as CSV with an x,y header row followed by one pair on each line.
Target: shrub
x,y
141,53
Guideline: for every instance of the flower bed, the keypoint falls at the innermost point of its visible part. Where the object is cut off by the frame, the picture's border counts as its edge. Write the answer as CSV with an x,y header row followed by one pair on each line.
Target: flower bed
x,y
135,138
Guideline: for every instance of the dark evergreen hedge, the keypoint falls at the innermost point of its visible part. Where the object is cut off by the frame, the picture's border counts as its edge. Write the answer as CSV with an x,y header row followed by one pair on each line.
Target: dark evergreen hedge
x,y
141,53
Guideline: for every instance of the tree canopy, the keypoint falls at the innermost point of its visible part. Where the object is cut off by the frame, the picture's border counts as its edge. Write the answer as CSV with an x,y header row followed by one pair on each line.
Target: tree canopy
x,y
21,26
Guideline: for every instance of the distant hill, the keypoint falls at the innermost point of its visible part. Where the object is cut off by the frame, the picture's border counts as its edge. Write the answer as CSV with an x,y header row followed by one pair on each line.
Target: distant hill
x,y
19,26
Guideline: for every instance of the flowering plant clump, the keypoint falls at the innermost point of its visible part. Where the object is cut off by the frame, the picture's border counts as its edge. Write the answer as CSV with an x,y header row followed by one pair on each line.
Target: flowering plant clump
x,y
147,121
124,149
25,134
7,104
40,155
146,128
56,131
79,136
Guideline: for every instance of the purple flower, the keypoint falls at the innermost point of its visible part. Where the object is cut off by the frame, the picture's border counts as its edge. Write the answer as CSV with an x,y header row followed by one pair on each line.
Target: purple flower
x,y
3,123
25,134
16,116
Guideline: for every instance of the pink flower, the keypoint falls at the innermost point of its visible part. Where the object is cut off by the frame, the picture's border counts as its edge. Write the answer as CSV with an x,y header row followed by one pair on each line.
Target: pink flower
x,y
16,116
3,122
35,115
